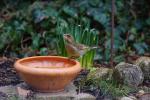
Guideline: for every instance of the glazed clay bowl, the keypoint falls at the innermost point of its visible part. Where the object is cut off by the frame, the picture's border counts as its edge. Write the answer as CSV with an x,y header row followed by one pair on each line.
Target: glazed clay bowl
x,y
47,73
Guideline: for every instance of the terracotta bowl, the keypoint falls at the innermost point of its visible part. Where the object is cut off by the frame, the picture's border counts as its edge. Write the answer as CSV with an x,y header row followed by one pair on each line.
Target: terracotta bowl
x,y
47,73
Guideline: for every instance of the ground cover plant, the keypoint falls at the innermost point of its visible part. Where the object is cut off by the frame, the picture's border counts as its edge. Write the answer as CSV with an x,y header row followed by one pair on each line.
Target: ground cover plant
x,y
31,21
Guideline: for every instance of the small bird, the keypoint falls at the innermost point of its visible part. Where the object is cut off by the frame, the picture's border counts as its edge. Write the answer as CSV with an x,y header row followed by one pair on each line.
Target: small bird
x,y
75,50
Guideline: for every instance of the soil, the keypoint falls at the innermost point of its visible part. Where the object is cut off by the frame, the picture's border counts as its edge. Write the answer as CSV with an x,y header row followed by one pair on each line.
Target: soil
x,y
8,74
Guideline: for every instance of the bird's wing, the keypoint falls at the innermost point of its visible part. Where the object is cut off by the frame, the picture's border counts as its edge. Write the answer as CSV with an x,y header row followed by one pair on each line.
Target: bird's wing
x,y
72,50
81,46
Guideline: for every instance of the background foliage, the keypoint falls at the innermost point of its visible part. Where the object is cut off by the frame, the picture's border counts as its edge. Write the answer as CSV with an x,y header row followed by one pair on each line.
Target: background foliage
x,y
29,27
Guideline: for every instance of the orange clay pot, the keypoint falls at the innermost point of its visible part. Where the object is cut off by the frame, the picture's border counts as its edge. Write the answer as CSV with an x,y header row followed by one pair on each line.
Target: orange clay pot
x,y
47,73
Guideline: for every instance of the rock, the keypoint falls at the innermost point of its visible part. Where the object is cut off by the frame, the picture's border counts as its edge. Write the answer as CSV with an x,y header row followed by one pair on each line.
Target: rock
x,y
101,73
128,74
8,89
145,96
23,92
132,97
67,94
8,93
144,64
145,89
141,92
3,96
127,98
142,95
84,96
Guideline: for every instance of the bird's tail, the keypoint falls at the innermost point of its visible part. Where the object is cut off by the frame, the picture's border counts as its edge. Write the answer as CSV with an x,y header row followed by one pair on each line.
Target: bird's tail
x,y
94,47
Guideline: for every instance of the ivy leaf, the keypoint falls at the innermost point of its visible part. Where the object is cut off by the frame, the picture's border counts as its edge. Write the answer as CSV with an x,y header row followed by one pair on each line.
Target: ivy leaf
x,y
107,54
117,43
140,47
148,21
139,24
38,15
49,11
70,11
99,16
133,30
119,58
36,41
102,18
43,51
131,37
94,2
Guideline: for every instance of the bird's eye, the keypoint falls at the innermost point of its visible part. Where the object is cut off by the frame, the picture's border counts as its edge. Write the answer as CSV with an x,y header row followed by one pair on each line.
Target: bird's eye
x,y
68,36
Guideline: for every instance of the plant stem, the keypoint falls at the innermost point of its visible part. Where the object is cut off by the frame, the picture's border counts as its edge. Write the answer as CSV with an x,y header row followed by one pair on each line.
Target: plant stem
x,y
112,32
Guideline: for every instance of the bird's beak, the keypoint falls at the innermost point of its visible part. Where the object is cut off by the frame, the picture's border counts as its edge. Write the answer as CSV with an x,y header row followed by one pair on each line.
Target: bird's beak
x,y
65,36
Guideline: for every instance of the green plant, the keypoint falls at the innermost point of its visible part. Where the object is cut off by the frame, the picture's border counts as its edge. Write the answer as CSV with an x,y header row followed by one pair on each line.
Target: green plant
x,y
40,18
106,87
111,87
82,34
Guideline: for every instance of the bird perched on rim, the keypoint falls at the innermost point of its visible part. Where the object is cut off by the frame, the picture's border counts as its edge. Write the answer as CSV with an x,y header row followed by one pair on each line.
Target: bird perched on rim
x,y
75,50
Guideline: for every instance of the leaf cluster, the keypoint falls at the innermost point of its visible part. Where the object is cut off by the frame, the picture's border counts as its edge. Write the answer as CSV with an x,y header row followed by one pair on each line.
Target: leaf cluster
x,y
30,27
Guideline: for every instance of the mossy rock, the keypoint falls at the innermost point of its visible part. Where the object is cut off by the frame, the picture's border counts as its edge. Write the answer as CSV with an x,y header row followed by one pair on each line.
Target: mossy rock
x,y
144,64
101,73
128,74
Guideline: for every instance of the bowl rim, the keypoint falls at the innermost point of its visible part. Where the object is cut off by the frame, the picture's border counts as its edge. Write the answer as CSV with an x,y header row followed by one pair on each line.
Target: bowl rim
x,y
46,71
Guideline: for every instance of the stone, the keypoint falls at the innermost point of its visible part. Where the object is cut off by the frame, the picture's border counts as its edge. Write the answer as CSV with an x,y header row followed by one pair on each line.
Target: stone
x,y
127,98
145,96
24,92
146,89
3,96
132,97
9,92
67,94
64,95
141,92
101,73
84,96
144,64
128,74
8,89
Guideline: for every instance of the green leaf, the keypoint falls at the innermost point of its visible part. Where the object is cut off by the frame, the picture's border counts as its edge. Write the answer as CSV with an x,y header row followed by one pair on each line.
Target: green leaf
x,y
70,11
94,2
44,51
38,15
148,21
133,30
140,47
119,58
36,41
49,11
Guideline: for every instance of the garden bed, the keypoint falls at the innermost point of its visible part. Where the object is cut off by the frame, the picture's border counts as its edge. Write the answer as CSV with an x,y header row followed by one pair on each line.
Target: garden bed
x,y
8,76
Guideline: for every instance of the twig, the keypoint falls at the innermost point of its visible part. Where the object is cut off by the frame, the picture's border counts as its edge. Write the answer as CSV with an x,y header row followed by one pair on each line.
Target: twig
x,y
24,40
112,32
6,50
127,38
